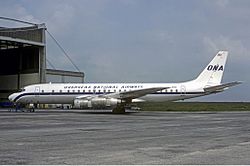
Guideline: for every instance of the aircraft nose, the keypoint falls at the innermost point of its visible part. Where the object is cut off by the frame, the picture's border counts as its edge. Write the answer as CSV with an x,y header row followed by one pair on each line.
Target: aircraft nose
x,y
11,97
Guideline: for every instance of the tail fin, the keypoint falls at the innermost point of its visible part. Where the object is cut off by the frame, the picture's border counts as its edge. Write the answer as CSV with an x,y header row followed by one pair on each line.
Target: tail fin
x,y
212,74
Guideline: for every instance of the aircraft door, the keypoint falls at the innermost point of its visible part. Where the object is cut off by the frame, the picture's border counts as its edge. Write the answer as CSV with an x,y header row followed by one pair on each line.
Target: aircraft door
x,y
37,90
183,89
35,98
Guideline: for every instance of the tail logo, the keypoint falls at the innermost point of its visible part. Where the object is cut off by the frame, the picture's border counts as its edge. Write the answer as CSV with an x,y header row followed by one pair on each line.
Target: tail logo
x,y
215,68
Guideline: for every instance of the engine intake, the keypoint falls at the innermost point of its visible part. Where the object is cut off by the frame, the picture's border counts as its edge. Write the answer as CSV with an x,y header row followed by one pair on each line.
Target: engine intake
x,y
96,103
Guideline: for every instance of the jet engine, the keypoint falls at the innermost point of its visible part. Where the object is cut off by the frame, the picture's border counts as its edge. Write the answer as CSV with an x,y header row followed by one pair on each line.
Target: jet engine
x,y
97,103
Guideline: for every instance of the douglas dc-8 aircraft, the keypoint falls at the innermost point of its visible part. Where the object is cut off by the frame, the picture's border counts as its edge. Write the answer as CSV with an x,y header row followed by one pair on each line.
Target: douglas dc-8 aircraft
x,y
116,96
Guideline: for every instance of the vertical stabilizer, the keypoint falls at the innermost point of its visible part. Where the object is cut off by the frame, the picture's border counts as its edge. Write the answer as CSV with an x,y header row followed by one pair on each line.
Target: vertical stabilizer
x,y
212,74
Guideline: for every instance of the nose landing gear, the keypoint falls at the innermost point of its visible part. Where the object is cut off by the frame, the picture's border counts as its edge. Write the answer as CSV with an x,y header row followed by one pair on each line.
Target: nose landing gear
x,y
23,108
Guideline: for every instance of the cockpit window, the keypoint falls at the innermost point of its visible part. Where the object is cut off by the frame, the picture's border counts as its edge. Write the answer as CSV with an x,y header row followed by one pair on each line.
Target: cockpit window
x,y
21,90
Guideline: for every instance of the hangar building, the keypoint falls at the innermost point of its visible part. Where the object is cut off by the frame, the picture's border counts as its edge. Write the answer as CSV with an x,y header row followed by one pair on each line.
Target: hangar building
x,y
23,60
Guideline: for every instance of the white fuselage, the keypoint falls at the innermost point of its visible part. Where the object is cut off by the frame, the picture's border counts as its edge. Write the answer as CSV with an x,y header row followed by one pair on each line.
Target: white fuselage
x,y
65,93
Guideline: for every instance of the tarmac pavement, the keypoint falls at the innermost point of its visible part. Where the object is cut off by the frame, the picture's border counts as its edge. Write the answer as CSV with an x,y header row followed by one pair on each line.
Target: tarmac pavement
x,y
80,137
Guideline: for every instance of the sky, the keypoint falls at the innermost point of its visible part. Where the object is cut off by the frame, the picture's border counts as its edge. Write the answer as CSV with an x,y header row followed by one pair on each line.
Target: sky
x,y
144,40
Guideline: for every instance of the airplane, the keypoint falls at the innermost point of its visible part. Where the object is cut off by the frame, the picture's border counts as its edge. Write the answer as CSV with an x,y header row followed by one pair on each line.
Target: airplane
x,y
117,96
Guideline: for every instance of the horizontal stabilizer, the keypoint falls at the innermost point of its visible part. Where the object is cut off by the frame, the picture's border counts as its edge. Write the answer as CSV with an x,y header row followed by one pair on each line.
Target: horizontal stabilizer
x,y
222,87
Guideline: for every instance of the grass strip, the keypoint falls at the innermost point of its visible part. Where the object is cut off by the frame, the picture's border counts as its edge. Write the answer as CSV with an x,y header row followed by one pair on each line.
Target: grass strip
x,y
195,106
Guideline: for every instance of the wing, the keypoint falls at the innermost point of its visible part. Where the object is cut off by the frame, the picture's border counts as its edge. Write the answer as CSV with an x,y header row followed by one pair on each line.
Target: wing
x,y
135,93
128,95
222,87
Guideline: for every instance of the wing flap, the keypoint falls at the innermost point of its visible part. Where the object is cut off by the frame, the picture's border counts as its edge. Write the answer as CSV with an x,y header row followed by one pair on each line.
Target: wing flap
x,y
222,87
134,93
139,93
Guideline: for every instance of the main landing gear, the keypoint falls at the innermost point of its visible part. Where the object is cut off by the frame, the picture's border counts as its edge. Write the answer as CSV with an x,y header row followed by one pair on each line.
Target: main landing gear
x,y
119,110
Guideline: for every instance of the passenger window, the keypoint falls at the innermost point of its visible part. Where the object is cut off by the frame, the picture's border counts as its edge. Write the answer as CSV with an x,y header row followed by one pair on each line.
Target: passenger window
x,y
60,91
53,91
176,90
42,91
78,91
171,90
68,91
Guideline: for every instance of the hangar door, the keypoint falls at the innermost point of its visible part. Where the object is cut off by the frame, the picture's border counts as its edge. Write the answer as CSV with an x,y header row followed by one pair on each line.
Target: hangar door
x,y
18,67
22,58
